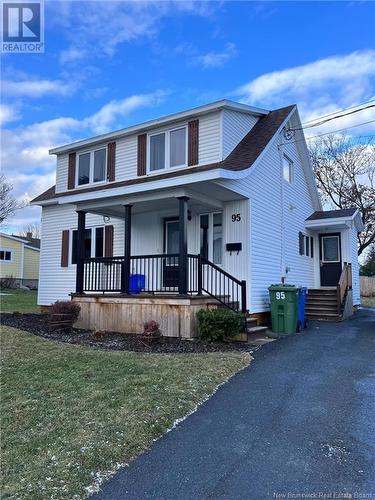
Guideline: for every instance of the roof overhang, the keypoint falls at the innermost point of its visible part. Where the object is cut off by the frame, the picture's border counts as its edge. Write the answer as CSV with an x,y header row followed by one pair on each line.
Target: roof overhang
x,y
142,127
336,223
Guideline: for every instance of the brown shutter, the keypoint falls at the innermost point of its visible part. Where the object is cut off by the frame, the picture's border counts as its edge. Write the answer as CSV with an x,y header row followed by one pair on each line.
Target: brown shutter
x,y
72,171
301,238
111,158
65,248
311,246
193,135
108,241
141,162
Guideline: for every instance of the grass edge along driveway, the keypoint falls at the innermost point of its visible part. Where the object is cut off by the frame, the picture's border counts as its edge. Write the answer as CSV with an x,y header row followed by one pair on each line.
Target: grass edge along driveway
x,y
70,414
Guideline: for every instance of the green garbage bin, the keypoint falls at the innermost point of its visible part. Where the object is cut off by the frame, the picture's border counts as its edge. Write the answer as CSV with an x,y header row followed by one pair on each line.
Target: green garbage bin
x,y
284,308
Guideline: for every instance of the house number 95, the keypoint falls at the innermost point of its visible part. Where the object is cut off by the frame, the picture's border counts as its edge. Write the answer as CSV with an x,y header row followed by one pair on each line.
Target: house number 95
x,y
280,295
236,217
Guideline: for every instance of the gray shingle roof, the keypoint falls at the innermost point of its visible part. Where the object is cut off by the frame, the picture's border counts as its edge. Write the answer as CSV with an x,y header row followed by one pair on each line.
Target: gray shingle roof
x,y
332,214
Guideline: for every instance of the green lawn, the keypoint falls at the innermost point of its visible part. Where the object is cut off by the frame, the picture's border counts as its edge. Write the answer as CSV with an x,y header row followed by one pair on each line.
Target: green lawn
x,y
368,301
19,300
70,413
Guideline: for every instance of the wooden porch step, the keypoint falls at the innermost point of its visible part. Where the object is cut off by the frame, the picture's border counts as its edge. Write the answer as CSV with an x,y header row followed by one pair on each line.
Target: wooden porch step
x,y
321,298
321,291
323,316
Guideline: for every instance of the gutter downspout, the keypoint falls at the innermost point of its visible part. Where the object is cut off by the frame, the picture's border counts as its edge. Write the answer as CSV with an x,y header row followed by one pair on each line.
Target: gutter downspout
x,y
282,243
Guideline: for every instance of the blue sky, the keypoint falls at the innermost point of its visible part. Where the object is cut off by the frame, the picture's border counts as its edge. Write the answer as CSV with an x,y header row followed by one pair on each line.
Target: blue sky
x,y
113,64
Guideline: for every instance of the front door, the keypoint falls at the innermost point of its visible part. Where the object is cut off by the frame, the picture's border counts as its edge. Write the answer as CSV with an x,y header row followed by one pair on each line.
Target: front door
x,y
330,259
171,245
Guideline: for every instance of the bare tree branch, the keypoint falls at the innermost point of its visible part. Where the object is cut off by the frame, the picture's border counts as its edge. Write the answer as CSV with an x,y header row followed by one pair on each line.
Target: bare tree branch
x,y
8,203
345,173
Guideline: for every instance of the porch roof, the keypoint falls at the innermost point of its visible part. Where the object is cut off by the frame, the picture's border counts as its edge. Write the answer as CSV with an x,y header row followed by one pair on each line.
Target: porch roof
x,y
335,219
203,197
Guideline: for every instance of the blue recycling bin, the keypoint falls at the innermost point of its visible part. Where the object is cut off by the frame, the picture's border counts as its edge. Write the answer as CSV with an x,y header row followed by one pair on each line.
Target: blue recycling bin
x,y
136,283
301,318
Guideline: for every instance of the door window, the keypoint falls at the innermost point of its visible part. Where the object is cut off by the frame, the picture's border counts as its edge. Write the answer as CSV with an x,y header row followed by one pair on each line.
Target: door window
x,y
330,249
211,237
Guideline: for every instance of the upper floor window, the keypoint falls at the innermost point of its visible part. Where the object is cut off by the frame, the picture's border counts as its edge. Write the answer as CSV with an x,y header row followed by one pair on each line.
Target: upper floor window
x,y
5,255
91,167
168,149
287,169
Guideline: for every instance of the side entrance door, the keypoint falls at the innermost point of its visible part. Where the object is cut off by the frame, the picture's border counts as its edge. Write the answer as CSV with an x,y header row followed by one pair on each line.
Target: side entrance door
x,y
171,245
330,259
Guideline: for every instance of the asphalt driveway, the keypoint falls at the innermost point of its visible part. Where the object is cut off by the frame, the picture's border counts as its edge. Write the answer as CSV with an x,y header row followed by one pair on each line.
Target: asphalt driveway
x,y
299,420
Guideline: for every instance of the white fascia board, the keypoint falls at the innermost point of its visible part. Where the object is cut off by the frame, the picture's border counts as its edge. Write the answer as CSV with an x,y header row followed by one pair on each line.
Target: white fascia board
x,y
32,248
190,113
152,185
20,239
345,221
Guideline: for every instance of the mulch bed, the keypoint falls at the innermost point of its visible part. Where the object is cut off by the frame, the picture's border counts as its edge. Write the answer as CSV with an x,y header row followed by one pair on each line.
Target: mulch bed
x,y
37,324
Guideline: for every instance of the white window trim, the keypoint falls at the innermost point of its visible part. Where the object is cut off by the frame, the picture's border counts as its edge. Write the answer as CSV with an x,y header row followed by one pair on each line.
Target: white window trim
x,y
11,255
211,236
167,144
338,247
91,173
93,242
291,170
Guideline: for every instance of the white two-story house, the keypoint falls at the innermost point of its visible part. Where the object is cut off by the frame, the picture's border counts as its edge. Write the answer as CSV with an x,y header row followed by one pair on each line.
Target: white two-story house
x,y
207,206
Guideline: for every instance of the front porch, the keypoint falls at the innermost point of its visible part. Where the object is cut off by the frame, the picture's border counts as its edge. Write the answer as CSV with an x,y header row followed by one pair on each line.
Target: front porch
x,y
175,278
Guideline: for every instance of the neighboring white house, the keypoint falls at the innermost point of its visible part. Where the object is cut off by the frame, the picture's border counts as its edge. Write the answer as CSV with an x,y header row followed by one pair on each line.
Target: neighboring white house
x,y
225,181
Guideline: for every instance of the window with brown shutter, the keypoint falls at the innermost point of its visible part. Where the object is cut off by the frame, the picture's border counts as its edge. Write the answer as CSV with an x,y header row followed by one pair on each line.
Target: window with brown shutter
x,y
65,248
111,160
108,246
72,171
193,146
141,160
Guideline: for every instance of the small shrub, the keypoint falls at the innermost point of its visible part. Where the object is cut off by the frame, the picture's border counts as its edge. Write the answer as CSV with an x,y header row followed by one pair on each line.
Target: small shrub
x,y
151,328
66,307
214,325
8,282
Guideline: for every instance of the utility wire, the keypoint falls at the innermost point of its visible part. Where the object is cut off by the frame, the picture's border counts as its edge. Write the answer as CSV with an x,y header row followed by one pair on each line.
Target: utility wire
x,y
338,111
331,132
332,118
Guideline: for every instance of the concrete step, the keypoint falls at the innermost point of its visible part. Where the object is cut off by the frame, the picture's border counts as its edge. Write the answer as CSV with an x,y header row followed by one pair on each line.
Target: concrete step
x,y
256,329
251,322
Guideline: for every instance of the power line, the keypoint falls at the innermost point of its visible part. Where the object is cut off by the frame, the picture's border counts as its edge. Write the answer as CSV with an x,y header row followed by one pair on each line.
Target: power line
x,y
331,132
332,118
338,111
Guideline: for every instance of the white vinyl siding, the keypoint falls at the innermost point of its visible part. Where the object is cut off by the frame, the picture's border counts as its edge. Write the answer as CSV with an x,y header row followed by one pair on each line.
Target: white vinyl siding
x,y
56,282
209,138
265,241
62,173
235,126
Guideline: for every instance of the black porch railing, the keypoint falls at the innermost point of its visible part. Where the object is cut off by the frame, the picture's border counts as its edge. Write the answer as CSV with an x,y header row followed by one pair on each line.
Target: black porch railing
x,y
161,274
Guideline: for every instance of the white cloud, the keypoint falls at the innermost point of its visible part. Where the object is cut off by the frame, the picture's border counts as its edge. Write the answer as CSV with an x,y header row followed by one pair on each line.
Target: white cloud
x,y
216,59
37,88
98,28
8,114
24,154
72,55
319,87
